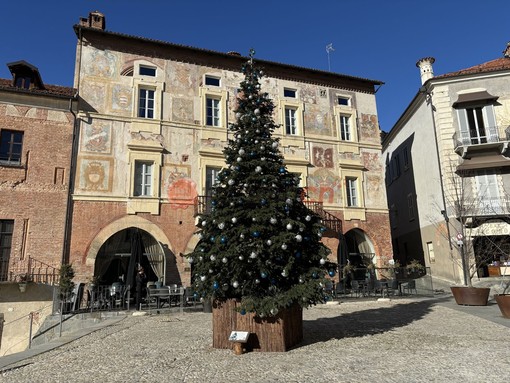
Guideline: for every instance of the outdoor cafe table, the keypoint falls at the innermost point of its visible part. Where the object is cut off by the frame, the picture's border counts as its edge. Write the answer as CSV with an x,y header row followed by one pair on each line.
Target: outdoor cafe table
x,y
164,293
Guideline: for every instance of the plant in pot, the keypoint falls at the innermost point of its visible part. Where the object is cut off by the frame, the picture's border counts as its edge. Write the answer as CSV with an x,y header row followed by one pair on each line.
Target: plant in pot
x,y
414,269
66,286
503,301
23,280
470,210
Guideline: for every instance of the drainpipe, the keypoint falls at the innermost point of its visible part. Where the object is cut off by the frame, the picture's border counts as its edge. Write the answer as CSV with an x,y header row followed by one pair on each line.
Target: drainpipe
x,y
72,165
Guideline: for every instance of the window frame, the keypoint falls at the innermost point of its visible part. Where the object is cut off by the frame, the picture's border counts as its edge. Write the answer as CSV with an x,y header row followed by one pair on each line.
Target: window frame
x,y
410,207
351,192
213,115
291,127
345,126
470,117
143,184
210,80
348,101
289,92
146,109
11,143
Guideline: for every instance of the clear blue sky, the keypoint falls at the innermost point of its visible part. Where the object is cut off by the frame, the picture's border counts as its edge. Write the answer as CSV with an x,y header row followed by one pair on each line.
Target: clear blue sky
x,y
375,39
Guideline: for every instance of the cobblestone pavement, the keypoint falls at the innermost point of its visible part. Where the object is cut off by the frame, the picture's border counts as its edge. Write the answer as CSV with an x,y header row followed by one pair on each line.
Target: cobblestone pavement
x,y
393,341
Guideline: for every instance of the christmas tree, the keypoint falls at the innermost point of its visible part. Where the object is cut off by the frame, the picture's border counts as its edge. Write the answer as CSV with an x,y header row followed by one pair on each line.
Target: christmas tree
x,y
259,243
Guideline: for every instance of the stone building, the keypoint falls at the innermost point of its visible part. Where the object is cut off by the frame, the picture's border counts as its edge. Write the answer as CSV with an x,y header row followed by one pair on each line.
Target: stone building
x,y
36,139
447,172
153,120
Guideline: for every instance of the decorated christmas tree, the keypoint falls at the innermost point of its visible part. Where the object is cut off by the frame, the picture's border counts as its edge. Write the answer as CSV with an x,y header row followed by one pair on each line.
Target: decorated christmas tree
x,y
259,243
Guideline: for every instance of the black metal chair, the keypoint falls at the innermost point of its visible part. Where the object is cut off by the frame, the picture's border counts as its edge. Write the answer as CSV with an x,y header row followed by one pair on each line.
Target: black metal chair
x,y
409,287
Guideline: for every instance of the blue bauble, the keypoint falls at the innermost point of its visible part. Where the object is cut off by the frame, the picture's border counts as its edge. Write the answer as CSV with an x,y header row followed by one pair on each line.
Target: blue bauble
x,y
297,254
282,170
331,273
216,285
213,202
263,274
223,239
314,275
263,202
255,234
242,312
213,238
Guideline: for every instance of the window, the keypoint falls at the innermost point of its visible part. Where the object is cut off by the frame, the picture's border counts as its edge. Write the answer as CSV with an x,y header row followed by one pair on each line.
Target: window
x,y
352,191
212,81
410,206
290,121
6,229
477,125
289,93
405,155
396,166
212,111
147,71
143,179
146,103
430,250
345,127
488,194
11,142
211,178
344,101
23,82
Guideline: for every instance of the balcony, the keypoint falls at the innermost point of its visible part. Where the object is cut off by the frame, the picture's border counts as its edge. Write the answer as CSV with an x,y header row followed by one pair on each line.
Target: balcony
x,y
203,206
495,139
487,207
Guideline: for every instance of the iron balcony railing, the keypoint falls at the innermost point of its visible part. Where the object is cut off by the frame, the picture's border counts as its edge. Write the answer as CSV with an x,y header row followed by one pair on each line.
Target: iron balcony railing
x,y
203,206
490,134
495,206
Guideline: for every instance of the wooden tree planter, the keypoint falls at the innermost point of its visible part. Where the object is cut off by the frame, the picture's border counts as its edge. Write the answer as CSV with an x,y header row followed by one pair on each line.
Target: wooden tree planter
x,y
275,334
470,296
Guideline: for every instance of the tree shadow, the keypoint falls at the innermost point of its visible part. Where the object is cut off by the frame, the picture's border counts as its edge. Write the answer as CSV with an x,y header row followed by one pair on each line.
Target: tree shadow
x,y
365,322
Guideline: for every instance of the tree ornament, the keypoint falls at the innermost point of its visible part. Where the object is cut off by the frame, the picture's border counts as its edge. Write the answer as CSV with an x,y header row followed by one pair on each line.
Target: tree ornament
x,y
253,255
223,239
241,257
299,238
239,159
212,257
224,260
331,273
221,226
256,234
322,261
235,284
234,219
257,281
231,182
241,236
289,226
257,112
288,201
273,221
269,242
263,274
204,223
203,278
284,247
258,169
284,273
241,151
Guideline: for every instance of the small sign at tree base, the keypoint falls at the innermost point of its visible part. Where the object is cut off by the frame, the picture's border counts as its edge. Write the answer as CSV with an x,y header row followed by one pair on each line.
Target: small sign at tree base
x,y
239,338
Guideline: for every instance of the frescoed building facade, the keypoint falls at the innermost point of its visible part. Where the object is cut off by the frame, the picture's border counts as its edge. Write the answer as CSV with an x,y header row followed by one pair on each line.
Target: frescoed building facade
x,y
153,120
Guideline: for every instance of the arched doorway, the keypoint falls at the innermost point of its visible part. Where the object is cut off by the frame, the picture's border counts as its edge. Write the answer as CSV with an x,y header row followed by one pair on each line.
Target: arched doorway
x,y
123,252
359,248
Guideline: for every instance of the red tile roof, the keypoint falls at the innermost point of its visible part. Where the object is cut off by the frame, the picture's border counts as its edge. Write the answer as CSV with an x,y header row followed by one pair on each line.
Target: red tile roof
x,y
49,90
490,66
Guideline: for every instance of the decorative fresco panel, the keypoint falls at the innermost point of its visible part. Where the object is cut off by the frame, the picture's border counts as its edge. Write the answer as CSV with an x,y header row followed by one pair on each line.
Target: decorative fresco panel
x,y
369,128
182,109
181,189
121,98
97,137
325,186
317,122
322,156
99,63
95,174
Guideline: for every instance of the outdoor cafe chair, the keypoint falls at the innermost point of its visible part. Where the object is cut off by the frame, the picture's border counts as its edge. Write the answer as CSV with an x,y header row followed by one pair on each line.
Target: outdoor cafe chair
x,y
409,287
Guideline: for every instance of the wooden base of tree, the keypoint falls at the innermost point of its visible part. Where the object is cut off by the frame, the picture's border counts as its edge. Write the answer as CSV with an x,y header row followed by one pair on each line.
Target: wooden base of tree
x,y
275,334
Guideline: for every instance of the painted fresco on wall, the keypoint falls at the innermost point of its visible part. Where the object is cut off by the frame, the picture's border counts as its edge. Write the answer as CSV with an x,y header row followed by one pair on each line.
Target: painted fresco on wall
x,y
121,98
369,128
99,63
97,137
95,173
322,156
317,122
182,110
94,95
181,189
324,186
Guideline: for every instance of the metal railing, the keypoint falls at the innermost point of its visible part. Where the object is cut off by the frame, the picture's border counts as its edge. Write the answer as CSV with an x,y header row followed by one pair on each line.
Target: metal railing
x,y
203,205
31,270
490,135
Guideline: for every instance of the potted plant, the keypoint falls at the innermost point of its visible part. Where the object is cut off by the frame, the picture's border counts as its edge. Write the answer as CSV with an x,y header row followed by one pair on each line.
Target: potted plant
x,y
66,286
503,301
414,269
464,218
23,280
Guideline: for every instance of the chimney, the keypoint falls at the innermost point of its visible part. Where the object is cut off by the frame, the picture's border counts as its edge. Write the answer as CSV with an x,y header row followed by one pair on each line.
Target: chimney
x,y
426,71
95,20
506,52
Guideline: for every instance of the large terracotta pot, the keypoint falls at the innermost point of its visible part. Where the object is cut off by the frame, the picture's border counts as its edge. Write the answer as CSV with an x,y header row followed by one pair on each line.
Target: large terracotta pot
x,y
470,296
503,301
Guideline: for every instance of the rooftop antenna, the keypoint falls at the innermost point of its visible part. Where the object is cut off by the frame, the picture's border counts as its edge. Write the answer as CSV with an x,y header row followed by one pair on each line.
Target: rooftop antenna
x,y
329,48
